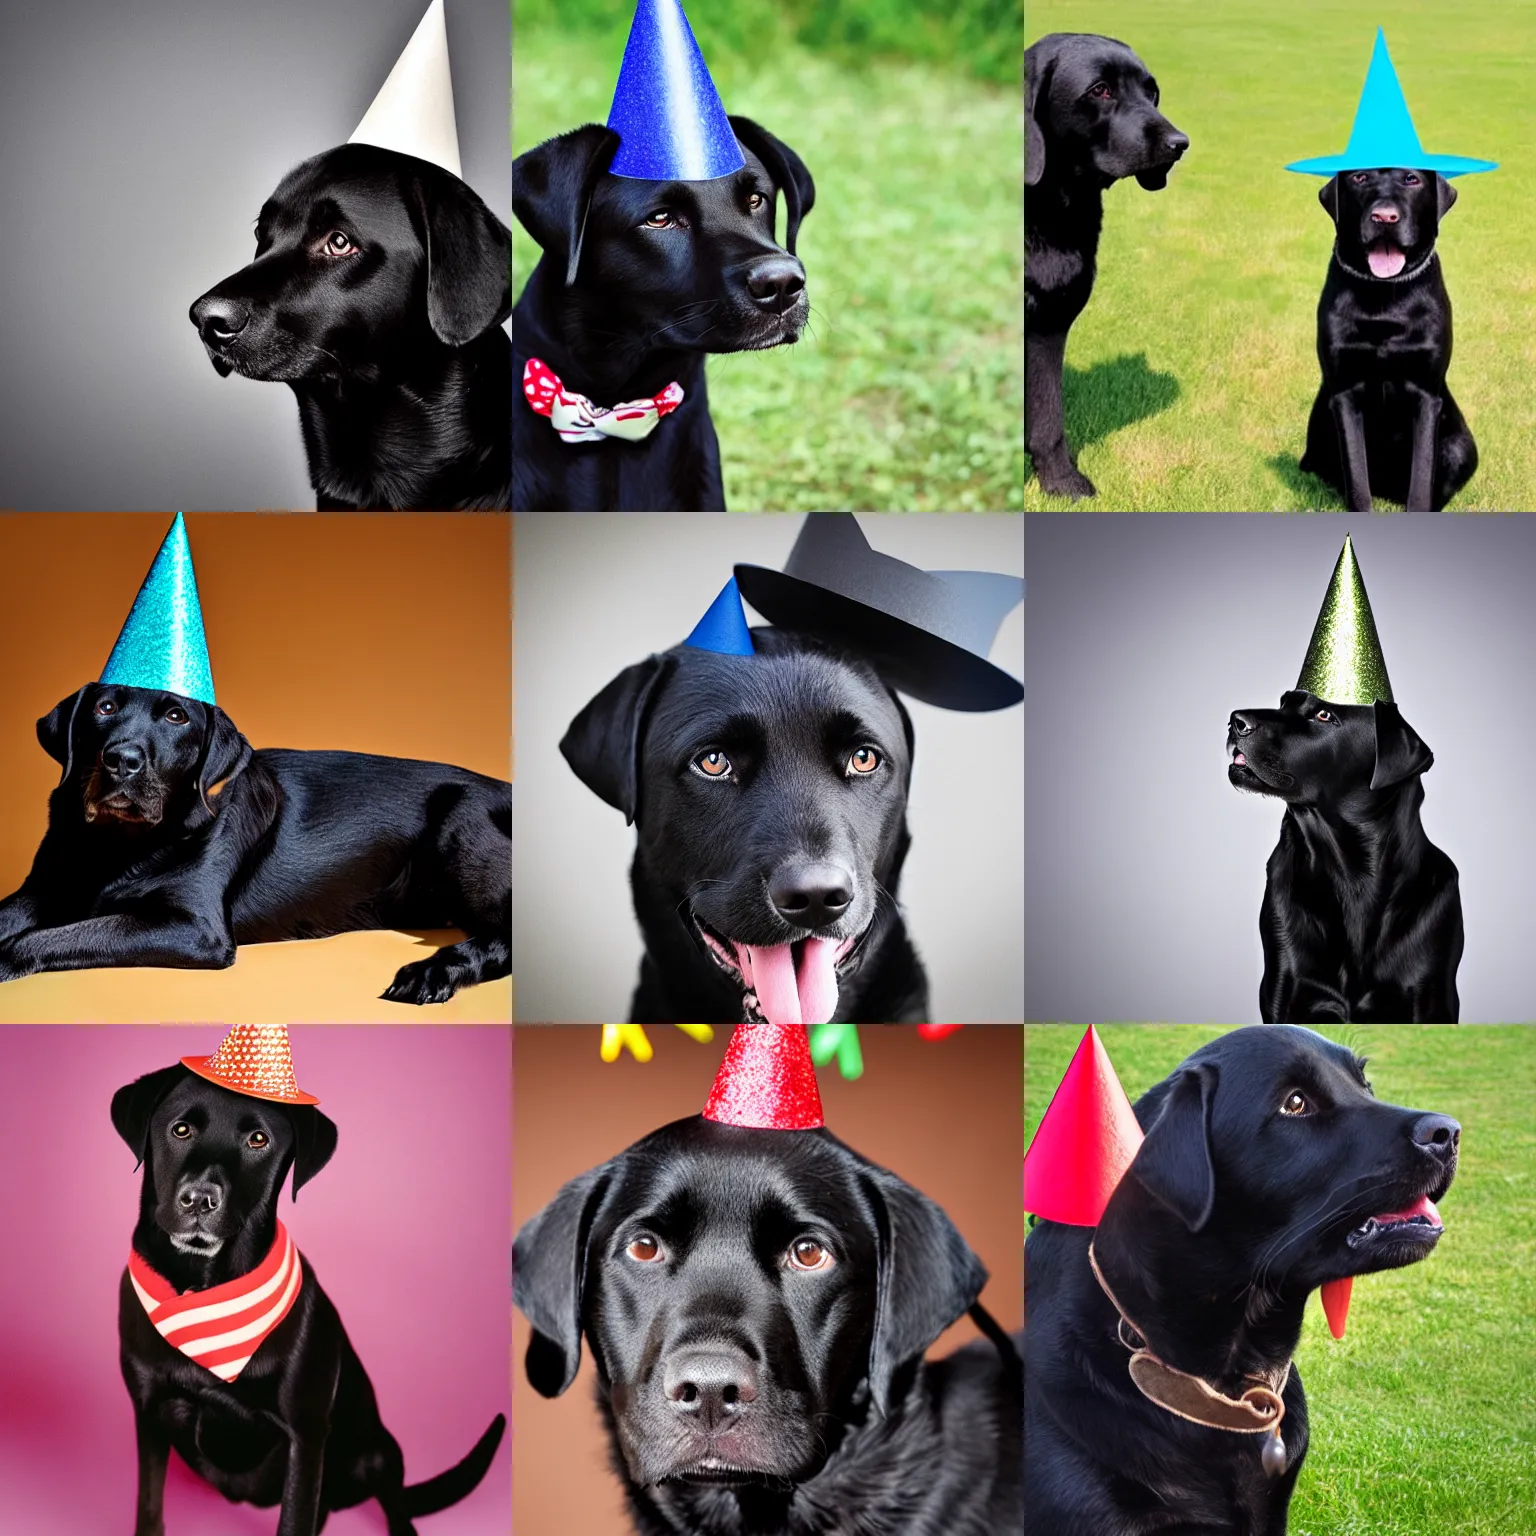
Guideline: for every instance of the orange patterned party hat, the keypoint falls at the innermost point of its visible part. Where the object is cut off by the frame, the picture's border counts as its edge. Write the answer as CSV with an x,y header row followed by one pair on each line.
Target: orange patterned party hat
x,y
254,1059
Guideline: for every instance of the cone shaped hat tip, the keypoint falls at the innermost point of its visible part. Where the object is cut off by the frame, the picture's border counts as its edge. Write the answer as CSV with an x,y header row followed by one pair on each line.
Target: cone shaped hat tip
x,y
723,628
255,1060
1344,663
413,111
767,1080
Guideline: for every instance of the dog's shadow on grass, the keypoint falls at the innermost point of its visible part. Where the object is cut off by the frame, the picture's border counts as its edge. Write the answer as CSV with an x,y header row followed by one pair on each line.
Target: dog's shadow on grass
x,y
1313,494
1110,395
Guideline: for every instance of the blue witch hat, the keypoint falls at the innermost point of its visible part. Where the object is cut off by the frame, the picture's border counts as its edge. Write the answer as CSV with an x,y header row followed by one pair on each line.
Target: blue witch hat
x,y
723,628
162,644
666,110
1383,134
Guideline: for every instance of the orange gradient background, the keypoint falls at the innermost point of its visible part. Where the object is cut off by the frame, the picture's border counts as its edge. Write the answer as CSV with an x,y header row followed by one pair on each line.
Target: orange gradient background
x,y
379,632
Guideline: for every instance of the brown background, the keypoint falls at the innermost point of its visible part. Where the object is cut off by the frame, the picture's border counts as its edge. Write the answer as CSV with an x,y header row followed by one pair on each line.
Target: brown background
x,y
945,1115
386,632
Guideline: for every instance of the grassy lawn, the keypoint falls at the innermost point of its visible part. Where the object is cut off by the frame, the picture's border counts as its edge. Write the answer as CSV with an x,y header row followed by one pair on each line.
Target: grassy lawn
x,y
907,391
1422,1421
1191,372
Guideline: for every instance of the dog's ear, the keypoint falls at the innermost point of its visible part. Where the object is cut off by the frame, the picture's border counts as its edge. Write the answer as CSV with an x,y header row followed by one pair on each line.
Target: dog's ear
x,y
552,189
225,753
1173,1163
56,731
314,1143
549,1272
1399,751
1038,71
133,1104
788,172
1445,195
926,1277
469,260
604,741
1328,196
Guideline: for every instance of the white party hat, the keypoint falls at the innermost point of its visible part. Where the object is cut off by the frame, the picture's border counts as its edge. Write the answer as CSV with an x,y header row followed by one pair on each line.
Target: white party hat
x,y
413,112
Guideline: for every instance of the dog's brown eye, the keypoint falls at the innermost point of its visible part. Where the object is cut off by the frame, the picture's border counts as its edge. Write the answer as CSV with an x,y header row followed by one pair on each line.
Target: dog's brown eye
x,y
105,707
176,715
1410,180
1295,1103
756,201
1358,178
659,220
808,1254
865,760
1101,91
645,1248
713,764
1325,714
257,1139
181,1130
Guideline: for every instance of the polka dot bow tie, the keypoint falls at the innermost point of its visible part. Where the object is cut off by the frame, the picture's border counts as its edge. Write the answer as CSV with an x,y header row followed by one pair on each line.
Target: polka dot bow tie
x,y
577,420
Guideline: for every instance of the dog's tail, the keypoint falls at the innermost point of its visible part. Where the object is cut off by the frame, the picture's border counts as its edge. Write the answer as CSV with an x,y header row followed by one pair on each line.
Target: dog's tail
x,y
451,1486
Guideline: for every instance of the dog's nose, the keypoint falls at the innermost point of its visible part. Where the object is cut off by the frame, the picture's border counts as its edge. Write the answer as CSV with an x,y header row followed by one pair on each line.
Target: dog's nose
x,y
810,895
1384,214
1176,143
217,319
776,282
200,1195
122,759
709,1385
1439,1135
1239,724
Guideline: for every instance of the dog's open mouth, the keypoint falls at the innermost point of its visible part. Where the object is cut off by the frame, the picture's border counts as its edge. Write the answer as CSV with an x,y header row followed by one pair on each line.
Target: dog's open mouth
x,y
793,983
712,1471
1385,259
1417,1223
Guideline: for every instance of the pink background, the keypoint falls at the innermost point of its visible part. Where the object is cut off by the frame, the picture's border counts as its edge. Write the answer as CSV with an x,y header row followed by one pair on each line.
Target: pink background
x,y
408,1229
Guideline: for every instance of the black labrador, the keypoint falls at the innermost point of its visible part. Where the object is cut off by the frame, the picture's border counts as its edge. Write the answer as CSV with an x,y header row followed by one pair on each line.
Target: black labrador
x,y
769,795
1268,1169
637,282
1384,423
1362,913
170,841
299,1426
377,295
757,1304
1092,118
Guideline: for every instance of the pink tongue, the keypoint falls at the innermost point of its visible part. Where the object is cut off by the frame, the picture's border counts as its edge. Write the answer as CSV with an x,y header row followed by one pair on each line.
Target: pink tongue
x,y
785,999
1386,261
1423,1206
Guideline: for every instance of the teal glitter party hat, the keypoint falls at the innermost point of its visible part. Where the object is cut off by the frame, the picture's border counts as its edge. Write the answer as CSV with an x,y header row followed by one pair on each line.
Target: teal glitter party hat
x,y
162,645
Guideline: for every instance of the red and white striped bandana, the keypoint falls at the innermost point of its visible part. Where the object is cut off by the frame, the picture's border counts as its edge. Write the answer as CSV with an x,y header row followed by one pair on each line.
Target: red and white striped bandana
x,y
221,1328
577,420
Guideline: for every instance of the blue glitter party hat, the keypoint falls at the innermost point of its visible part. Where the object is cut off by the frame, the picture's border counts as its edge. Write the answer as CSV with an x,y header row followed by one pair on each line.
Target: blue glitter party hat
x,y
723,628
162,644
666,110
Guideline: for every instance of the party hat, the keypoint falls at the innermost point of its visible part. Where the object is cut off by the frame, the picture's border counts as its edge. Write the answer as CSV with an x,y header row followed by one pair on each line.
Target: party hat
x,y
724,627
1085,1142
767,1080
413,112
253,1059
162,644
666,110
1344,662
1383,134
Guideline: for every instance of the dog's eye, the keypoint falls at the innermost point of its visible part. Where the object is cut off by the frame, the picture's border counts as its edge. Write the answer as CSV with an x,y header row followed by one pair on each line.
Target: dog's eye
x,y
644,1248
257,1139
1324,715
807,1254
1295,1103
660,219
1358,178
338,243
1101,92
756,201
176,715
713,764
864,761
1410,180
105,707
181,1130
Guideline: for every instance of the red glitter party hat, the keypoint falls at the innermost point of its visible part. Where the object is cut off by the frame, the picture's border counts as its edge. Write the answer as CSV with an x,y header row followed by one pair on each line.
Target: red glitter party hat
x,y
1084,1144
253,1059
767,1080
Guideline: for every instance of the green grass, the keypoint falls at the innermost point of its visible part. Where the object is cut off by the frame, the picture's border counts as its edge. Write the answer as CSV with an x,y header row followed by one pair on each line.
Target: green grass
x,y
1191,372
907,392
1422,1417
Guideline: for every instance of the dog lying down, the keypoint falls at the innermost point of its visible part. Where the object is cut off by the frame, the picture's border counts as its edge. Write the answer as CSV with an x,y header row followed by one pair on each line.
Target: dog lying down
x,y
757,1303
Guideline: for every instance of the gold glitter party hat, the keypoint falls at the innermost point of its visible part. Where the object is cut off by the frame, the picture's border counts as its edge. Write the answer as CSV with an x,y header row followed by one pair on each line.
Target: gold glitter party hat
x,y
1344,662
253,1059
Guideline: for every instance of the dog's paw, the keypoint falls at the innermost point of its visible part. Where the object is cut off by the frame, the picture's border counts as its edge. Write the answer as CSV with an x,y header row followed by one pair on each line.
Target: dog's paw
x,y
432,980
1070,482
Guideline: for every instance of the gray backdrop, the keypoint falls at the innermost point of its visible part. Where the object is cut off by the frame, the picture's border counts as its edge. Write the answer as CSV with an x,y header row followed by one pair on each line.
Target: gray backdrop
x,y
137,143
1145,867
596,592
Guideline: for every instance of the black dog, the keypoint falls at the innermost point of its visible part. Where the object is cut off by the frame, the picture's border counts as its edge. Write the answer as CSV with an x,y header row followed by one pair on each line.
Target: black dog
x,y
377,295
1384,422
1362,913
1092,119
758,1304
1268,1168
769,793
299,1425
638,280
144,863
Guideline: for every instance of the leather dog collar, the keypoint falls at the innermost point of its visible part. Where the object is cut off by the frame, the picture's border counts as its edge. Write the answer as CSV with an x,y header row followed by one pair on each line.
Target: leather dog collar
x,y
1370,277
1259,1410
577,420
222,1327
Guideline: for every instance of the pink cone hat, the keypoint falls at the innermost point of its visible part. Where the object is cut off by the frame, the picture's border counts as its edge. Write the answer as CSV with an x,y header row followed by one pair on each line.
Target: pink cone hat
x,y
767,1080
253,1059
